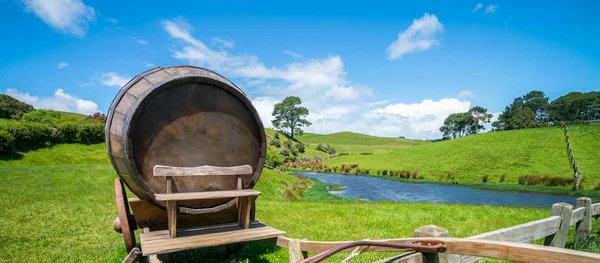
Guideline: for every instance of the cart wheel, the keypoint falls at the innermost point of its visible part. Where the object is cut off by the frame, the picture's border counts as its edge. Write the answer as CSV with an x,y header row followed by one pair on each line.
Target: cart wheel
x,y
126,219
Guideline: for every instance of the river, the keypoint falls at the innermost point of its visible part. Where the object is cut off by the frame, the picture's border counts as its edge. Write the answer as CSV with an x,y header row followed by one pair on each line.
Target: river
x,y
377,189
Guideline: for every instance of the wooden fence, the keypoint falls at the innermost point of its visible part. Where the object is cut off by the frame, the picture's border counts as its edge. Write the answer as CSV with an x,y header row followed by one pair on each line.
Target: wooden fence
x,y
554,230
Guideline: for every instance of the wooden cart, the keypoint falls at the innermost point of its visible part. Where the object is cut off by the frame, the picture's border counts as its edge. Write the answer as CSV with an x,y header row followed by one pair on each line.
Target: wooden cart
x,y
165,232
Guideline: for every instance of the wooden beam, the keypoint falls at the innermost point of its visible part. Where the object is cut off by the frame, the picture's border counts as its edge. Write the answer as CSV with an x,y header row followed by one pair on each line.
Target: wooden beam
x,y
526,233
206,195
205,170
584,227
565,211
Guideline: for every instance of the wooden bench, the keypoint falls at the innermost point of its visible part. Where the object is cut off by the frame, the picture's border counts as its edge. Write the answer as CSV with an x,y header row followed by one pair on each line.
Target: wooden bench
x,y
245,197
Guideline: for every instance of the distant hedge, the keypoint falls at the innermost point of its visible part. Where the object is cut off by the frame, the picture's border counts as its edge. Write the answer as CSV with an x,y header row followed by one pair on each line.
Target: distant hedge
x,y
22,135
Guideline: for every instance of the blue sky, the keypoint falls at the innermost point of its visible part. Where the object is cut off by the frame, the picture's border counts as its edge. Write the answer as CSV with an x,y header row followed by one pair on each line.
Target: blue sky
x,y
383,68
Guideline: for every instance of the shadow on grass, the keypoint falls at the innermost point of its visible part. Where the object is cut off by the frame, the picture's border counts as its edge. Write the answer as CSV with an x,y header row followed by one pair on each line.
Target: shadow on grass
x,y
248,252
11,156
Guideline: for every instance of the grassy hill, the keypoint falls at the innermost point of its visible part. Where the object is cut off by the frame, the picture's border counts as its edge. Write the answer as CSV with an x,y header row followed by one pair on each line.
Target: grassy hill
x,y
514,153
350,143
60,200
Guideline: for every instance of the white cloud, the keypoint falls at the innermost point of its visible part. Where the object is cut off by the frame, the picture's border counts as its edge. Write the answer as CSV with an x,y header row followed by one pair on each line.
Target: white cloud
x,y
62,65
112,21
490,9
113,79
61,101
293,54
222,43
335,104
67,16
420,36
416,120
139,41
148,64
465,94
264,106
477,7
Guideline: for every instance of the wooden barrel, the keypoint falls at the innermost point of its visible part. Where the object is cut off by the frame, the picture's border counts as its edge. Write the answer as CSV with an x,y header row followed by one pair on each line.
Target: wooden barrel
x,y
183,116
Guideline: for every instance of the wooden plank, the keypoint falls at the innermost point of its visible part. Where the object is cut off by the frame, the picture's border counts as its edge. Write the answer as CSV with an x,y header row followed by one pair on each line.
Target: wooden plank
x,y
514,251
565,211
527,232
159,242
206,195
596,209
577,215
163,170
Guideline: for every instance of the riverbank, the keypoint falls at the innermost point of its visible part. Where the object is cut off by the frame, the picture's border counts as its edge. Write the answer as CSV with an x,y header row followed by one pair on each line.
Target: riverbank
x,y
486,186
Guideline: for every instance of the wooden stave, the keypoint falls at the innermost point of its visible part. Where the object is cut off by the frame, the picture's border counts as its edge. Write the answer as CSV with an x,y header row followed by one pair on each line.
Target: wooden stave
x,y
124,159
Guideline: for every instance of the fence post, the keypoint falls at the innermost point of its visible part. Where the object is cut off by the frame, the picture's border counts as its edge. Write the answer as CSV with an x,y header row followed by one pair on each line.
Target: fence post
x,y
295,252
434,231
584,227
565,211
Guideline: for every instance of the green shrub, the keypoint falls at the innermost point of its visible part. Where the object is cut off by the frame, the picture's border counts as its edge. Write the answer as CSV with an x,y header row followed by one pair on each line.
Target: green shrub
x,y
273,158
67,132
484,178
285,152
275,142
6,141
276,135
288,144
29,134
323,147
90,133
300,147
502,178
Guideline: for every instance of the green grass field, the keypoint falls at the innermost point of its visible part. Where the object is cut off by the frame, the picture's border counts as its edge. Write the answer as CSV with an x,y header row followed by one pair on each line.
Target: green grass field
x,y
349,143
55,210
539,151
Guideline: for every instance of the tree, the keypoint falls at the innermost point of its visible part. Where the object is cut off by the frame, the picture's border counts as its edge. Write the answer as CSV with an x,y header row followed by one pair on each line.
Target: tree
x,y
538,103
480,116
465,123
576,106
535,100
290,115
11,108
524,118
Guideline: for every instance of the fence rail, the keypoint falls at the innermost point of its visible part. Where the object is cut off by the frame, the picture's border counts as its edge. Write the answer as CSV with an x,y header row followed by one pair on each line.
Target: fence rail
x,y
554,230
